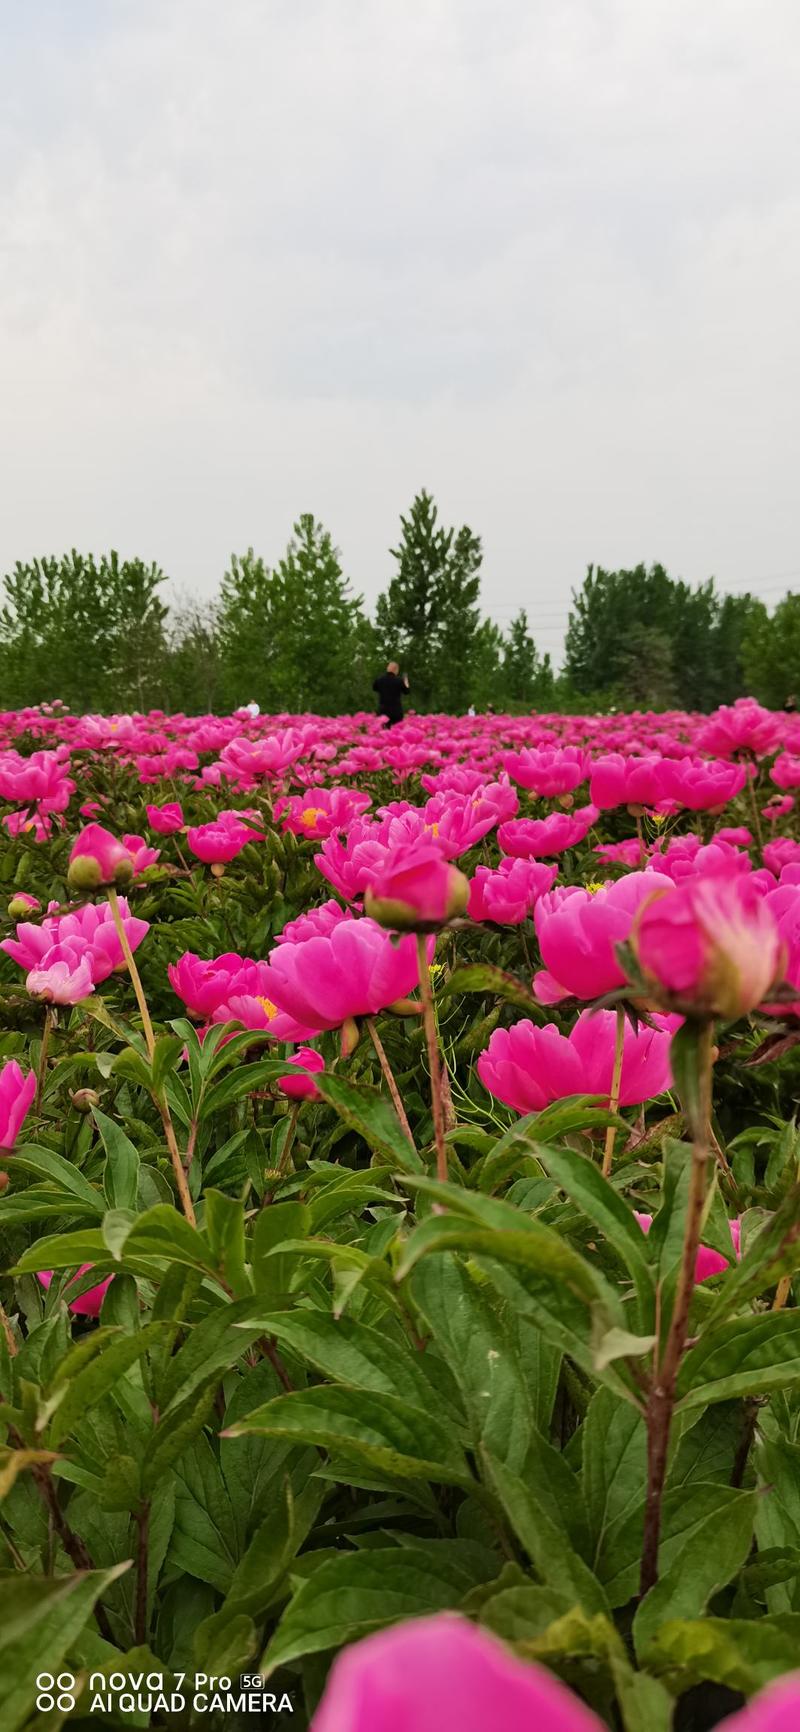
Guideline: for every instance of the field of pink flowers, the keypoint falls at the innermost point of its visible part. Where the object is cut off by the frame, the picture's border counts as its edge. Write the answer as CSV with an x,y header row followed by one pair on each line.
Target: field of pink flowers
x,y
399,1221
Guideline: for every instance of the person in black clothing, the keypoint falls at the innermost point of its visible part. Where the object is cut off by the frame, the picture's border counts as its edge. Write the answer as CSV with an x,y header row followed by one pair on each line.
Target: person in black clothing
x,y
390,688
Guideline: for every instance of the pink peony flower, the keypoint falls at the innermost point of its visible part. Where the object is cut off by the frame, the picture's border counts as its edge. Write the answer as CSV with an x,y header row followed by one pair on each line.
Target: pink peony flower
x,y
98,858
357,970
218,843
87,1304
204,984
740,727
777,808
548,771
17,1092
534,837
416,889
21,903
510,894
141,855
166,819
63,976
785,772
708,946
301,1086
619,781
327,811
527,1067
702,785
619,853
784,905
317,923
708,1262
784,851
687,857
578,931
89,931
441,1673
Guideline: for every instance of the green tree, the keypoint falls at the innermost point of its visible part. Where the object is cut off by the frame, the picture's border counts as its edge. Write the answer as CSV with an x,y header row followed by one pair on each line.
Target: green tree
x,y
89,631
429,617
527,677
293,637
192,676
771,653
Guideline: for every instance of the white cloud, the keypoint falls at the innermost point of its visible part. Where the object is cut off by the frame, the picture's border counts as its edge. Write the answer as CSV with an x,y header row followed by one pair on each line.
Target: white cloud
x,y
312,254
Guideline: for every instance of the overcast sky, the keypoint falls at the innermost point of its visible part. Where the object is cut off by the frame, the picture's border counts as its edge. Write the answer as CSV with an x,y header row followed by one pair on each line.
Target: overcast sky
x,y
259,257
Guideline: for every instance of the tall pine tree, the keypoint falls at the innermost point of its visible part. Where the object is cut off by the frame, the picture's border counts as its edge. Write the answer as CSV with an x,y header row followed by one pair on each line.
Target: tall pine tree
x,y
429,618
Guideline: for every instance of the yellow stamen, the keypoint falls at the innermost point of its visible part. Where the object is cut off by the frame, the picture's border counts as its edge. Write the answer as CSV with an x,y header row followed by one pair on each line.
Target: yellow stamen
x,y
270,1009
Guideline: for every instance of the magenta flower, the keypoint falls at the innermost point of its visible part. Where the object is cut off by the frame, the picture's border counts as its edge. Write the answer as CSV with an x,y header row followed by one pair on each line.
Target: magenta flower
x,y
708,946
527,1067
777,807
141,855
784,851
251,761
301,1086
87,1304
17,1092
63,976
629,781
219,842
416,888
324,812
785,772
204,984
619,853
702,784
358,970
510,894
531,838
708,1263
740,727
98,858
21,903
89,931
548,771
166,819
317,923
440,1674
578,931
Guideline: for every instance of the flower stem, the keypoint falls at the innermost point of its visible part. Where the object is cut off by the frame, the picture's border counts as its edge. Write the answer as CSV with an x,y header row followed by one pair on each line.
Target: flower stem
x,y
133,971
49,1022
751,788
616,1078
150,1042
640,838
389,1078
661,1400
434,1063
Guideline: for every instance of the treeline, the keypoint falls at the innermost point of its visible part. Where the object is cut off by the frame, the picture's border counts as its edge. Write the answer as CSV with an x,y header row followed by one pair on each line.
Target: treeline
x,y
98,633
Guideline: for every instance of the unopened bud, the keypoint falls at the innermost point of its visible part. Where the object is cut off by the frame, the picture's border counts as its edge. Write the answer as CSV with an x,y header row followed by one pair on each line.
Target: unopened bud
x,y
84,1099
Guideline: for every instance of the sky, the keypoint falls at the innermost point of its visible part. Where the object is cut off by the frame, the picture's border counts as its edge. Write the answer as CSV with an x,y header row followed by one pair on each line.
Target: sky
x,y
541,257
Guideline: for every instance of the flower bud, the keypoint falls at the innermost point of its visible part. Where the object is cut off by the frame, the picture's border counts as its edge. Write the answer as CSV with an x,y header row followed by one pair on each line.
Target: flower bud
x,y
417,890
708,946
22,904
84,1099
98,859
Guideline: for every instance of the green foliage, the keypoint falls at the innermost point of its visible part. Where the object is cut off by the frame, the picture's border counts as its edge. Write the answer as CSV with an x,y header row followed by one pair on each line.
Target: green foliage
x,y
656,642
89,631
428,619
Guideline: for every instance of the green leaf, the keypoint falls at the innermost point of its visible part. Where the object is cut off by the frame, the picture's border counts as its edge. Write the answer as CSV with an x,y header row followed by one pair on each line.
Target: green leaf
x,y
121,1176
64,1251
89,1385
203,1536
40,1617
276,1225
224,1229
566,1297
744,1356
740,1653
778,1513
558,1565
163,1232
354,1593
274,1544
711,1556
382,1430
476,1347
29,1158
177,1431
587,1187
224,1643
350,1352
367,1111
614,1462
767,1257
482,977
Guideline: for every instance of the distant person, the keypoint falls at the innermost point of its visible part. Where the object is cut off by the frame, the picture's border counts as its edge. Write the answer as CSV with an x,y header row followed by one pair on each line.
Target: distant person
x,y
390,688
791,702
